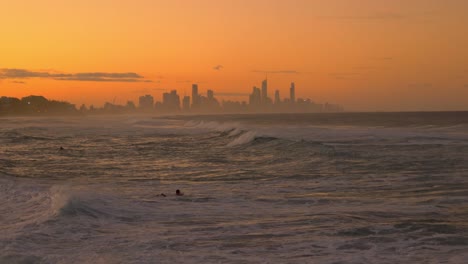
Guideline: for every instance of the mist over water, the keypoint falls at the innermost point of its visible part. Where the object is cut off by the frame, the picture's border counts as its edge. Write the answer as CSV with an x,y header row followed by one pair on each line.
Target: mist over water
x,y
295,188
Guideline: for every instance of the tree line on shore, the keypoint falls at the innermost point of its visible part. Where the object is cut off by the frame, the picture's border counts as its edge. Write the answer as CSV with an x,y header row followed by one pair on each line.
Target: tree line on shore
x,y
35,105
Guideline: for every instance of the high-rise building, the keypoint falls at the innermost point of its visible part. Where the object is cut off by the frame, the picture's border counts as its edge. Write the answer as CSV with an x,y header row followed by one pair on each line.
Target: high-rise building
x,y
264,91
195,96
277,97
186,103
292,93
166,98
175,100
210,94
171,101
146,102
209,103
255,98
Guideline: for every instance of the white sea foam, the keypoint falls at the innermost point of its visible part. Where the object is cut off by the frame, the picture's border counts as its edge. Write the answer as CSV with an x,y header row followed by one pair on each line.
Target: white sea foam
x,y
373,135
213,125
244,138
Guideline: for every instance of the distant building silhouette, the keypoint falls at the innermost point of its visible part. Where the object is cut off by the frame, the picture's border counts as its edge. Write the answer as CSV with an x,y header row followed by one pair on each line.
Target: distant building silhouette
x,y
210,94
171,102
292,93
130,107
255,99
195,97
264,91
210,103
186,104
146,102
277,97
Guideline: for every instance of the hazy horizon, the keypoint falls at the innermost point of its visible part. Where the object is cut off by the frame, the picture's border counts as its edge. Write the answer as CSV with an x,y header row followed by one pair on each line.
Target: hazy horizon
x,y
363,55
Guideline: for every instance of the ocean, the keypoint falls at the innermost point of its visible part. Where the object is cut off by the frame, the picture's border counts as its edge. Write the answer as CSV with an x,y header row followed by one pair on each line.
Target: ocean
x,y
272,188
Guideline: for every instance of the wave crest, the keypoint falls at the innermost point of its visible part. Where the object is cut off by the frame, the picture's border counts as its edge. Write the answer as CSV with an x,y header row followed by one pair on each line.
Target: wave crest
x,y
65,202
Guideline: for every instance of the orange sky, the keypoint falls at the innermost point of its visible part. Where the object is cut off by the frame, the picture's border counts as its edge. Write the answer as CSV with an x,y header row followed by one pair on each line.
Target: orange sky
x,y
362,54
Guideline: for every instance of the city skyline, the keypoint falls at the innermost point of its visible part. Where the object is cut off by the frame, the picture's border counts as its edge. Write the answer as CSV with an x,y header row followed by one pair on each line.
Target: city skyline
x,y
370,55
173,103
258,101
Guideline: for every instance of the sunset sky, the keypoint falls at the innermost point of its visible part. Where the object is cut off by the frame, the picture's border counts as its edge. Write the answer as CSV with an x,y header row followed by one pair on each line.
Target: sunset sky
x,y
367,55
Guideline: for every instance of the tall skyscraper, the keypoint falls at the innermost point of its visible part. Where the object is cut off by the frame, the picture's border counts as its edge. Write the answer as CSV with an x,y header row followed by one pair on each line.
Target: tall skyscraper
x,y
292,93
195,96
277,97
255,97
186,103
175,100
264,91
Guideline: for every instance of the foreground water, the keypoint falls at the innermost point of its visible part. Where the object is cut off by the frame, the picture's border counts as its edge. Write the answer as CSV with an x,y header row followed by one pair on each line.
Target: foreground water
x,y
344,188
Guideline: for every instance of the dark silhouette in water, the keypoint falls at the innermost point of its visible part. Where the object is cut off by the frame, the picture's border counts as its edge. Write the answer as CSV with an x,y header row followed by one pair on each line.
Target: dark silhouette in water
x,y
179,193
163,195
61,148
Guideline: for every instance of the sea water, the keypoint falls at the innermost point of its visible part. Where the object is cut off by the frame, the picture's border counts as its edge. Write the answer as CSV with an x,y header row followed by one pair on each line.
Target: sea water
x,y
291,188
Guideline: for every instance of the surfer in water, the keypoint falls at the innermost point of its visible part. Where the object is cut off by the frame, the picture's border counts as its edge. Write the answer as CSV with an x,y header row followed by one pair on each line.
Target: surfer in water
x,y
178,193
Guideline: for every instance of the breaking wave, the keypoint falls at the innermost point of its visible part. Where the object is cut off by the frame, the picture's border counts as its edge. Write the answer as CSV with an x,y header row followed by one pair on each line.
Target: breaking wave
x,y
247,133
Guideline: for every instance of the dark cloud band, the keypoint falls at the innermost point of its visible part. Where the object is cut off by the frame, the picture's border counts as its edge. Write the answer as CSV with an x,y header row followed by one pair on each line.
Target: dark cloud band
x,y
84,76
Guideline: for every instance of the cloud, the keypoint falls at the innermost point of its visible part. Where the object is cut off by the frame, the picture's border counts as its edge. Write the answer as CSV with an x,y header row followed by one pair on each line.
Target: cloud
x,y
99,79
375,16
20,82
22,74
277,72
218,67
84,76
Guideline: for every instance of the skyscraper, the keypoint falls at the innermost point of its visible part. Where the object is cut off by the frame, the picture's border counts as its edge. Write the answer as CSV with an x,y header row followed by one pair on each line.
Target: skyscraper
x,y
264,91
186,103
292,93
171,101
277,97
210,94
146,102
175,100
255,97
195,96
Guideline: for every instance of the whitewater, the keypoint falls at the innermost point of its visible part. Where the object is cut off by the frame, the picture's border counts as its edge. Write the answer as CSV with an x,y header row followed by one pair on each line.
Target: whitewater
x,y
276,188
